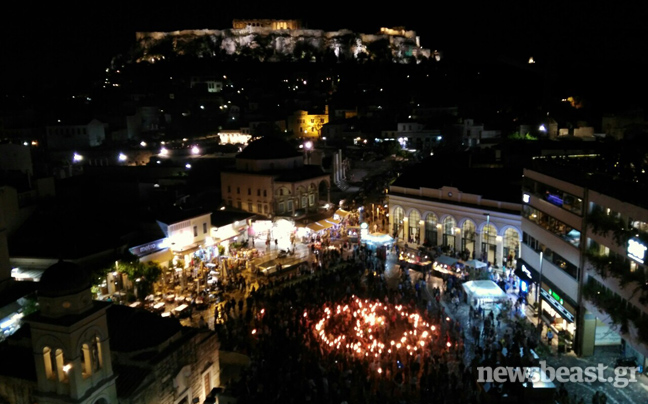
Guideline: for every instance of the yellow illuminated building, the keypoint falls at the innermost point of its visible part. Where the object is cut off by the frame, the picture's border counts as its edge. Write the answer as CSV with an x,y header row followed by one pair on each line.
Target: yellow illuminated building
x,y
305,125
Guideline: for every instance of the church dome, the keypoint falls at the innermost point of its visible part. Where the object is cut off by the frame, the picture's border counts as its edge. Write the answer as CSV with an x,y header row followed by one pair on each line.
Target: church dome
x,y
269,148
63,278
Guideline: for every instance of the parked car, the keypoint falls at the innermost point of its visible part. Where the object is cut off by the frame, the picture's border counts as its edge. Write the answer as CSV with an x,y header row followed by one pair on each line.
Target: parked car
x,y
169,297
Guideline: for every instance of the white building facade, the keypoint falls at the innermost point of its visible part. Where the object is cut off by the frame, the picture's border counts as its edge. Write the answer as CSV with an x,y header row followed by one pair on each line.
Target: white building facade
x,y
587,250
488,229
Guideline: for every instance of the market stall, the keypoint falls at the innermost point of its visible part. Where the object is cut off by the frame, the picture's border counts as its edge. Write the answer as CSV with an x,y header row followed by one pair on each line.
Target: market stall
x,y
411,260
448,265
485,293
475,264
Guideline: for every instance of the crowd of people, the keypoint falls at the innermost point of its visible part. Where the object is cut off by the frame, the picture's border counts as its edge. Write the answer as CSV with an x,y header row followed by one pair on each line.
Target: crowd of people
x,y
289,364
275,326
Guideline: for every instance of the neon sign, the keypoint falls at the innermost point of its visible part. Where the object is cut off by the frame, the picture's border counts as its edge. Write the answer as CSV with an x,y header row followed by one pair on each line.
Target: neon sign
x,y
549,297
636,250
526,271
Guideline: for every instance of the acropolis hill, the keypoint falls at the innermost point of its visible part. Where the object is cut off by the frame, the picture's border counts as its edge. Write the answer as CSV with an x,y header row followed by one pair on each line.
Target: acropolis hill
x,y
281,40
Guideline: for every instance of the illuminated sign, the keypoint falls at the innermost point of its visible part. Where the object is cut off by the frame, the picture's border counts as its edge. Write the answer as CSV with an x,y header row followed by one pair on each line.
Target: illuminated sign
x,y
557,304
556,296
555,199
636,250
526,271
526,198
145,249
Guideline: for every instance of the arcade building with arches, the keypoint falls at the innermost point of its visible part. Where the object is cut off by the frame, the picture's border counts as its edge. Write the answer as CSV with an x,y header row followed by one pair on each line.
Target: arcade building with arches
x,y
478,214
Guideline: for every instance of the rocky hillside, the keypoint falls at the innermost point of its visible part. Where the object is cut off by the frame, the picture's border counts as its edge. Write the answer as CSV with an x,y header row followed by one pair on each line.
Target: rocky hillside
x,y
269,45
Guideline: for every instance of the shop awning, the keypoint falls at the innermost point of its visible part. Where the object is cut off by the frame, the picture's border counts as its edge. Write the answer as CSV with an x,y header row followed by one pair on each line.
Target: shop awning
x,y
475,264
332,221
445,260
484,290
342,213
321,225
226,233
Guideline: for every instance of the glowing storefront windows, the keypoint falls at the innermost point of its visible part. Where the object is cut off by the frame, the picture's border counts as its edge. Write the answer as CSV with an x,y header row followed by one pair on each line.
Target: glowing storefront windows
x,y
414,218
449,224
431,229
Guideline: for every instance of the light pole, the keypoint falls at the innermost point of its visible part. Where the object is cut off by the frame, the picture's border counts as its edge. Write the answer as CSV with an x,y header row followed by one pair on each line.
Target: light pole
x,y
487,231
538,294
307,149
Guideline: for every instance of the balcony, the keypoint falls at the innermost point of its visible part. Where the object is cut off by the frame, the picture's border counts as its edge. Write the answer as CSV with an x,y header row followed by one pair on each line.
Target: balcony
x,y
614,310
614,272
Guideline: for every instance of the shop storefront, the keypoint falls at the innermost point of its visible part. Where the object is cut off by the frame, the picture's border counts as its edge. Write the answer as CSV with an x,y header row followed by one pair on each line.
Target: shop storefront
x,y
528,279
559,314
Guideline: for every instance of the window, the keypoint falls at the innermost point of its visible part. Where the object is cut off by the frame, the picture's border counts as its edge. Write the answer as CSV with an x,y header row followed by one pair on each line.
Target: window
x,y
238,190
229,202
249,207
96,351
238,204
281,192
229,188
47,360
550,256
86,361
259,208
195,231
290,206
554,196
204,228
281,207
553,225
258,192
60,366
311,200
265,193
207,383
249,191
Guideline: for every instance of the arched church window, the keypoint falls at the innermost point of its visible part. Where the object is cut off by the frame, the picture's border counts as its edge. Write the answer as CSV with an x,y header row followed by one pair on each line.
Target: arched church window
x,y
47,361
86,361
61,368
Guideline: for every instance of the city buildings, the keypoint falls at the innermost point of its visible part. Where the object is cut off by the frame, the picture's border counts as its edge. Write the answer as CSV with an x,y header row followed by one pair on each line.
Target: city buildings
x,y
76,349
583,252
271,178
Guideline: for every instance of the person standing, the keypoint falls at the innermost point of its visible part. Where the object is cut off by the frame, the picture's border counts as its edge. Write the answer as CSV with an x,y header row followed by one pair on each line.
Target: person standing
x,y
550,336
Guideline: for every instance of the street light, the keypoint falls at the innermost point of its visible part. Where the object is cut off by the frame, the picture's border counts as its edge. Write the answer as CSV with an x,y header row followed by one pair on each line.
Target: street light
x,y
538,294
307,148
487,230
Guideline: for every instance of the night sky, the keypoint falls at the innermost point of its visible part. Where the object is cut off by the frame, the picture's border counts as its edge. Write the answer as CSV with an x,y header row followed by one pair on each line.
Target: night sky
x,y
61,43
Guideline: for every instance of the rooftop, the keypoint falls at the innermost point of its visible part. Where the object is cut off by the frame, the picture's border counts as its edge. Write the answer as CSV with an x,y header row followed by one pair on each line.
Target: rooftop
x,y
500,184
136,329
621,176
268,148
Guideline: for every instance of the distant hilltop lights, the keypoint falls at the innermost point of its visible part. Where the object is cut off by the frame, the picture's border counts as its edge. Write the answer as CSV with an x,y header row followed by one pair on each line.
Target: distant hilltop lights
x,y
283,40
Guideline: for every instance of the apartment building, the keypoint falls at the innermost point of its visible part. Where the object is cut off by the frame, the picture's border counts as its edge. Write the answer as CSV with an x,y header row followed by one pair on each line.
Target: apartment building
x,y
584,239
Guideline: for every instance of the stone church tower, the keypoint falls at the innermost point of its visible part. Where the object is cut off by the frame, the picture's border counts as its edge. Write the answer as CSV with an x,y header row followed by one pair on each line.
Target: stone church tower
x,y
70,340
